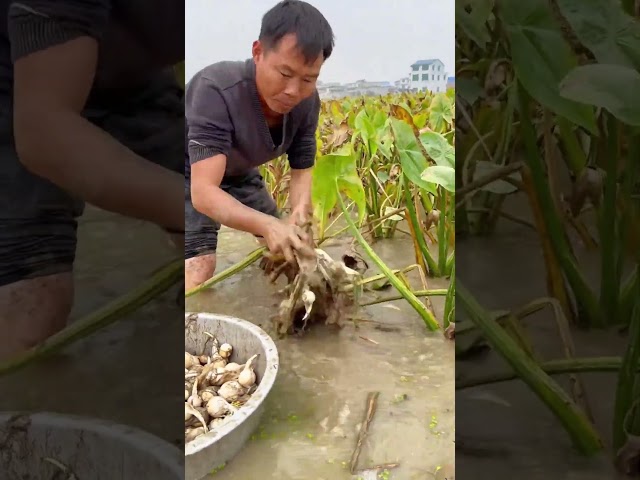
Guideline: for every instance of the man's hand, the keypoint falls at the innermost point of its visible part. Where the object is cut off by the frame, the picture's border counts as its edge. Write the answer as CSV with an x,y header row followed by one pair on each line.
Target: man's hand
x,y
284,238
299,217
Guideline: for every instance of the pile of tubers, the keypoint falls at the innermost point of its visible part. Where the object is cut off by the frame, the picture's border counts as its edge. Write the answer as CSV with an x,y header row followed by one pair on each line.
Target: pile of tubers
x,y
214,388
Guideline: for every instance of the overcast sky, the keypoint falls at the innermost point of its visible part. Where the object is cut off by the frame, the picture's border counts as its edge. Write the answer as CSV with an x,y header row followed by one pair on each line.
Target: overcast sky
x,y
397,34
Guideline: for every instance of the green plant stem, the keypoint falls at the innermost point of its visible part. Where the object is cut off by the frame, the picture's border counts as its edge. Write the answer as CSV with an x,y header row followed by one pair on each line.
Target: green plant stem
x,y
442,233
576,158
578,427
627,296
413,218
375,209
628,376
380,276
232,270
584,295
378,221
438,292
450,301
451,261
334,221
610,281
499,174
552,367
424,313
520,313
160,282
425,199
506,134
626,220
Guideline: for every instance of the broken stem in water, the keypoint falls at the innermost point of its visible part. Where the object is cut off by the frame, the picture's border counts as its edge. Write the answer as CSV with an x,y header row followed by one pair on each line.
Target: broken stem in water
x,y
579,428
372,400
382,276
232,270
428,318
160,282
439,292
551,367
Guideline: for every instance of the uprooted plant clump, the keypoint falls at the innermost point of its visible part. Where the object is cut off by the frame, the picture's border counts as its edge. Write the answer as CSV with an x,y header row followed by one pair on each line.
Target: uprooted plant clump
x,y
320,289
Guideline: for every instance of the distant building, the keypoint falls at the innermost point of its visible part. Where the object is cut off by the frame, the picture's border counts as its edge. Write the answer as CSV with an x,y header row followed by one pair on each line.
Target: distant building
x,y
403,84
428,75
354,89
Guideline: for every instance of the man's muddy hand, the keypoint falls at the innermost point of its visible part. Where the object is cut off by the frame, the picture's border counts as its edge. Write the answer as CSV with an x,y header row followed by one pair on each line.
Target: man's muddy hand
x,y
284,238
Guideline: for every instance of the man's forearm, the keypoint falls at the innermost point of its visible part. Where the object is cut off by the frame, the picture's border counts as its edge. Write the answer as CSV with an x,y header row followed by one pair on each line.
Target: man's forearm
x,y
82,159
218,205
300,190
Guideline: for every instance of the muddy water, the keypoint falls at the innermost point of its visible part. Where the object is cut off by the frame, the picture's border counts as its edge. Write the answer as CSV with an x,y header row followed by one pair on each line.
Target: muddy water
x,y
504,430
310,425
106,375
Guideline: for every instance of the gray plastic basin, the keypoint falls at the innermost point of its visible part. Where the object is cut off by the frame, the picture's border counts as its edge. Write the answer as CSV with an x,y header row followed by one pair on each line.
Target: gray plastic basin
x,y
215,448
91,448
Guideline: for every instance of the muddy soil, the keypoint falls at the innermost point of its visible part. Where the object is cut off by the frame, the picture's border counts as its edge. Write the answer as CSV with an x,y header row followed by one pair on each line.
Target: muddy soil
x,y
310,426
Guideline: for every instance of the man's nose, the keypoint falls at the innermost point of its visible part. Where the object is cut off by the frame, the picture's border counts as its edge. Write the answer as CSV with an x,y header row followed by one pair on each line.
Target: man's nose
x,y
293,88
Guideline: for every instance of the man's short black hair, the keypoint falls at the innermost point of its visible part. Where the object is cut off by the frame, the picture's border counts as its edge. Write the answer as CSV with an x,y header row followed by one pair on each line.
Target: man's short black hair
x,y
313,32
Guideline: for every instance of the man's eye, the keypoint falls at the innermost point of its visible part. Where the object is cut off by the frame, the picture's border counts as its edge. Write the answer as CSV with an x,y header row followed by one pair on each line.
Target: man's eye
x,y
285,75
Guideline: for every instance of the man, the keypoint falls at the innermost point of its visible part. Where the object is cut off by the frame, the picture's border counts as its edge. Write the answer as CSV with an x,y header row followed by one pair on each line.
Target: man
x,y
90,110
240,115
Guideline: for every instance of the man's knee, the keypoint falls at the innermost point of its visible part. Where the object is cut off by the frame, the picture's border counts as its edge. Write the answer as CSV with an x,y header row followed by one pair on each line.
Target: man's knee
x,y
36,281
33,309
198,270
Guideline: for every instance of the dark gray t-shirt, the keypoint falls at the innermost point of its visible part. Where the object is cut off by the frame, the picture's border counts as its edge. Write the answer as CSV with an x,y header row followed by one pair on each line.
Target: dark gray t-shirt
x,y
224,116
138,39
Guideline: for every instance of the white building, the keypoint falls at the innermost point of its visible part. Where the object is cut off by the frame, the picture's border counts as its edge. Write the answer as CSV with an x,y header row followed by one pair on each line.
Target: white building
x,y
403,83
428,75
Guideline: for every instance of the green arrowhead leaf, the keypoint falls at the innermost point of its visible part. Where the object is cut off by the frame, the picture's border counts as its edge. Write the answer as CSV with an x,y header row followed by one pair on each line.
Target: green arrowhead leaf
x,y
331,171
438,148
367,131
612,87
473,23
442,176
440,113
411,158
604,28
542,58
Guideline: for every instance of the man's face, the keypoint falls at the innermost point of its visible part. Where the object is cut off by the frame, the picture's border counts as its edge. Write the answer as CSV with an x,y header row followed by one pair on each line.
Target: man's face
x,y
283,77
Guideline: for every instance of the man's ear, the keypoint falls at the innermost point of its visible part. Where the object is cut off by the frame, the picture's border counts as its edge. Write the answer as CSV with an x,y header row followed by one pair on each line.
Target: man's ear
x,y
256,50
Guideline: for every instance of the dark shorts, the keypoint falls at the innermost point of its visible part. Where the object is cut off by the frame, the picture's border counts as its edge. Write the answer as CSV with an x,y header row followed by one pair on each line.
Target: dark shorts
x,y
201,232
38,220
